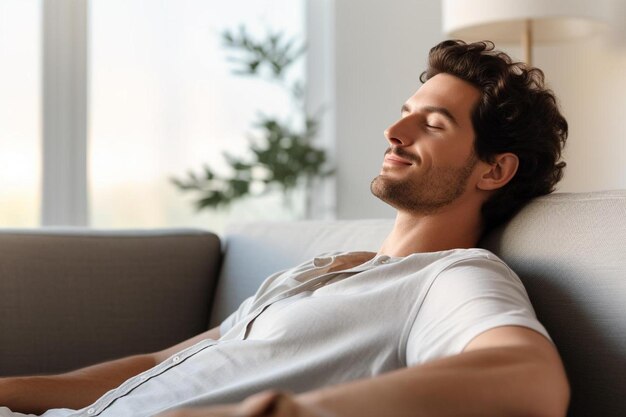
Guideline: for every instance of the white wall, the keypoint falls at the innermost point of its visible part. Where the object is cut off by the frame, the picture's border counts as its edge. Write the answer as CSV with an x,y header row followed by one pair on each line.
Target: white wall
x,y
380,50
590,80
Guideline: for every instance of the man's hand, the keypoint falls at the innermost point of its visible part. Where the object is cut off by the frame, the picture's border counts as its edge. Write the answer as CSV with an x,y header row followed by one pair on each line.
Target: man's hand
x,y
264,404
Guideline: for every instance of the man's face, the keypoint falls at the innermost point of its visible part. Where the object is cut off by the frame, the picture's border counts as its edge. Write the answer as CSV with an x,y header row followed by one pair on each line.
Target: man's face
x,y
431,155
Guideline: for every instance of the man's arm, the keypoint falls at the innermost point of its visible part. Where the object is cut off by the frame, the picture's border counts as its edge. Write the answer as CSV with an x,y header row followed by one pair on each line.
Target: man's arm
x,y
507,371
77,389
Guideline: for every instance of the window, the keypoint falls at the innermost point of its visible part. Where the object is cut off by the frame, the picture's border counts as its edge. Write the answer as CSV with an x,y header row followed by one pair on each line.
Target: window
x,y
20,102
162,100
136,92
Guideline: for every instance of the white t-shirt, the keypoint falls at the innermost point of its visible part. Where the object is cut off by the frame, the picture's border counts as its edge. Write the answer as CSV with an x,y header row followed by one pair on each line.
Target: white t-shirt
x,y
432,303
306,328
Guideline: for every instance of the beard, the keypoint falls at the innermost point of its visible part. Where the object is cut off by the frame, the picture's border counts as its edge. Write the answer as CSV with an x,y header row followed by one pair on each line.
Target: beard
x,y
427,193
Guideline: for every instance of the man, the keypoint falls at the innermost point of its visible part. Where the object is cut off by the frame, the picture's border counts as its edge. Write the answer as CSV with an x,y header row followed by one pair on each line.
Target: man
x,y
427,326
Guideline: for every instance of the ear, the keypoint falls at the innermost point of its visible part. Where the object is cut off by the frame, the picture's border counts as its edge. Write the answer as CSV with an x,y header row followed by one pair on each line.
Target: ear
x,y
499,172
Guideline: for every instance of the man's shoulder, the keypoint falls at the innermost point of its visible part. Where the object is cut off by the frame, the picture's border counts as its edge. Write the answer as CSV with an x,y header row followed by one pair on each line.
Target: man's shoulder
x,y
449,258
466,264
478,255
470,266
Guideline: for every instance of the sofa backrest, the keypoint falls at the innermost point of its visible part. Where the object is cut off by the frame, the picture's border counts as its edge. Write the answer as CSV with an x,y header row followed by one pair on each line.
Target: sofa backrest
x,y
570,252
71,298
568,249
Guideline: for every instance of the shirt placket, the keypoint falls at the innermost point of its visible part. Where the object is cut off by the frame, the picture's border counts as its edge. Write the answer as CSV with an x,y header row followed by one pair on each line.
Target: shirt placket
x,y
309,285
130,385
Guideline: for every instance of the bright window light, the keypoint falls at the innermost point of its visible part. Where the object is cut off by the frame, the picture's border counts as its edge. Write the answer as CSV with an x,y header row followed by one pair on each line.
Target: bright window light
x,y
163,101
20,112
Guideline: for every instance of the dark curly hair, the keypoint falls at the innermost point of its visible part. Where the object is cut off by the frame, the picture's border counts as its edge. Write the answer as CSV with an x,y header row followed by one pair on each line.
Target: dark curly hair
x,y
515,113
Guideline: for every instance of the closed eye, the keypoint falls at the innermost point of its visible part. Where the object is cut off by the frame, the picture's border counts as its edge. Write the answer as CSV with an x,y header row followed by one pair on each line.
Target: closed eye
x,y
434,123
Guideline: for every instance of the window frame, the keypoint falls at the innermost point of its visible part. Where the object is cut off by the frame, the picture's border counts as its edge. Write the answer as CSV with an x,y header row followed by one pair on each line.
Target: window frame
x,y
64,113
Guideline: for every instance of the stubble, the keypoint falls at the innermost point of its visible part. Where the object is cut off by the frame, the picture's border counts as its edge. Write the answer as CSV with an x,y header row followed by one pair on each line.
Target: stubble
x,y
427,193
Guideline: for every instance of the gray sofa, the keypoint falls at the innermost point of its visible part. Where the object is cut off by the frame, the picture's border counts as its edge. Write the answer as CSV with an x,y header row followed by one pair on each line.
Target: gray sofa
x,y
75,297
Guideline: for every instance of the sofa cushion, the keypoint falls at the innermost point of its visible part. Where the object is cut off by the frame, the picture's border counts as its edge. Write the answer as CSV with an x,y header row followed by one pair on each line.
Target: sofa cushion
x,y
72,298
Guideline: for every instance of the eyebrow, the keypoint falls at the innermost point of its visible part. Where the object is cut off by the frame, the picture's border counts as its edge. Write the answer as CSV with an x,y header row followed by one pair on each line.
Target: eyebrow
x,y
433,109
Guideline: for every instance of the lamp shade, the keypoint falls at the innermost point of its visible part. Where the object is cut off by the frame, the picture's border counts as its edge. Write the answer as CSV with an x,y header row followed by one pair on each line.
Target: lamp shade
x,y
504,20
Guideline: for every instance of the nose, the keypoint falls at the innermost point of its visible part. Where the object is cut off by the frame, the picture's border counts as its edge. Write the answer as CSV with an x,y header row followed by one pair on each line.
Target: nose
x,y
400,133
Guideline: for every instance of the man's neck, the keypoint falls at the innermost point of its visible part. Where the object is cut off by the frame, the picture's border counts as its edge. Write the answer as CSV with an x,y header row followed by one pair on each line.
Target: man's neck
x,y
452,228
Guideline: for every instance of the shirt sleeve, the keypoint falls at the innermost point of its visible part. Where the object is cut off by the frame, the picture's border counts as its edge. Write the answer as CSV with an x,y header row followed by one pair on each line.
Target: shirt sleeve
x,y
466,299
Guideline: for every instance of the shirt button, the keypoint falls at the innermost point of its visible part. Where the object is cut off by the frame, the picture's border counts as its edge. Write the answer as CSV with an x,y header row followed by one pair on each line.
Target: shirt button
x,y
91,411
325,261
143,377
176,359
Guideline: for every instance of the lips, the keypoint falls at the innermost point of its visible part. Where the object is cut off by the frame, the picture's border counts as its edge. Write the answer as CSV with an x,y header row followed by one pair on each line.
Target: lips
x,y
394,159
400,156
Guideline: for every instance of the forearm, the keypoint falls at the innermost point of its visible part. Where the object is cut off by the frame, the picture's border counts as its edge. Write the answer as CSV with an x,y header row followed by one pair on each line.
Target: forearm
x,y
489,382
74,389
